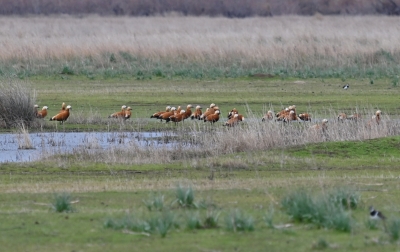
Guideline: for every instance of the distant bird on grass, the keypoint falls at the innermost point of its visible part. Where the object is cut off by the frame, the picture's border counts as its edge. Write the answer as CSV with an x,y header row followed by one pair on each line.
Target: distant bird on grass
x,y
120,114
268,116
128,113
197,113
305,117
345,87
42,113
62,116
375,215
35,109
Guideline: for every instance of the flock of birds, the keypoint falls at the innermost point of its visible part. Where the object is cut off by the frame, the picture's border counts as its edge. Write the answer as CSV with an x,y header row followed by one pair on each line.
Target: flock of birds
x,y
62,116
212,115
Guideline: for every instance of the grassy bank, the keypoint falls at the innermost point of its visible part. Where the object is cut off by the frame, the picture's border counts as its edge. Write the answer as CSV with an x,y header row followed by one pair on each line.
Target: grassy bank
x,y
97,99
108,202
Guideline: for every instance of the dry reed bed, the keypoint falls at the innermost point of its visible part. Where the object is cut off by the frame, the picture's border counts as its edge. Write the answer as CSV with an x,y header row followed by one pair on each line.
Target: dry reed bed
x,y
290,42
199,141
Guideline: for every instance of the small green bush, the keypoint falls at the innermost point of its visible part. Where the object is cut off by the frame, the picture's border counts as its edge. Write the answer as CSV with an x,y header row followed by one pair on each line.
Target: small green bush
x,y
345,197
321,244
322,211
193,221
268,218
394,229
67,70
155,202
163,223
185,197
211,220
238,221
372,224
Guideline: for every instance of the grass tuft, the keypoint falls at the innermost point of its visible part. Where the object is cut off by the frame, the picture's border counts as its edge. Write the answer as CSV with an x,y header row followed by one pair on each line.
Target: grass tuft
x,y
301,206
372,224
268,218
394,229
164,222
185,197
236,221
62,203
345,197
211,220
193,221
155,202
321,244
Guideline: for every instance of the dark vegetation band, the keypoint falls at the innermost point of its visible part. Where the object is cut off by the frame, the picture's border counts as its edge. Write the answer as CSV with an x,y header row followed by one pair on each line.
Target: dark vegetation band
x,y
227,8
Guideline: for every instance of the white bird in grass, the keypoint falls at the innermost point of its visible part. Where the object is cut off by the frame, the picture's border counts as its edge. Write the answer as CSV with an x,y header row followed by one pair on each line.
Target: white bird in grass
x,y
376,215
345,87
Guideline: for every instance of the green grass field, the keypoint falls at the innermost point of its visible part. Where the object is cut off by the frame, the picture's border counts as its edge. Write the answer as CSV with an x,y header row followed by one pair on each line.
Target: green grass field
x,y
321,97
254,182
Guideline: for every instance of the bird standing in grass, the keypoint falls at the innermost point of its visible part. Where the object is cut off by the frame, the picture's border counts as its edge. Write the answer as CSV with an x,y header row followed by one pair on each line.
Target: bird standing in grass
x,y
375,215
128,113
321,127
42,113
341,117
268,116
376,119
35,109
120,114
345,87
157,114
197,113
63,107
188,112
213,118
62,116
305,117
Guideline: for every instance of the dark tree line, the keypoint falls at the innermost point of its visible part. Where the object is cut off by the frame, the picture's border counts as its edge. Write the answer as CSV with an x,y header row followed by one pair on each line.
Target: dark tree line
x,y
227,8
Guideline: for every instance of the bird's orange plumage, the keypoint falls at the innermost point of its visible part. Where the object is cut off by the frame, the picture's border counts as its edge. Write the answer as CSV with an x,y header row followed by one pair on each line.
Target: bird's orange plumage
x,y
188,111
213,118
35,109
376,119
232,113
63,107
62,116
305,117
178,118
342,116
42,113
128,113
233,121
323,126
156,115
197,113
268,116
120,114
166,115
